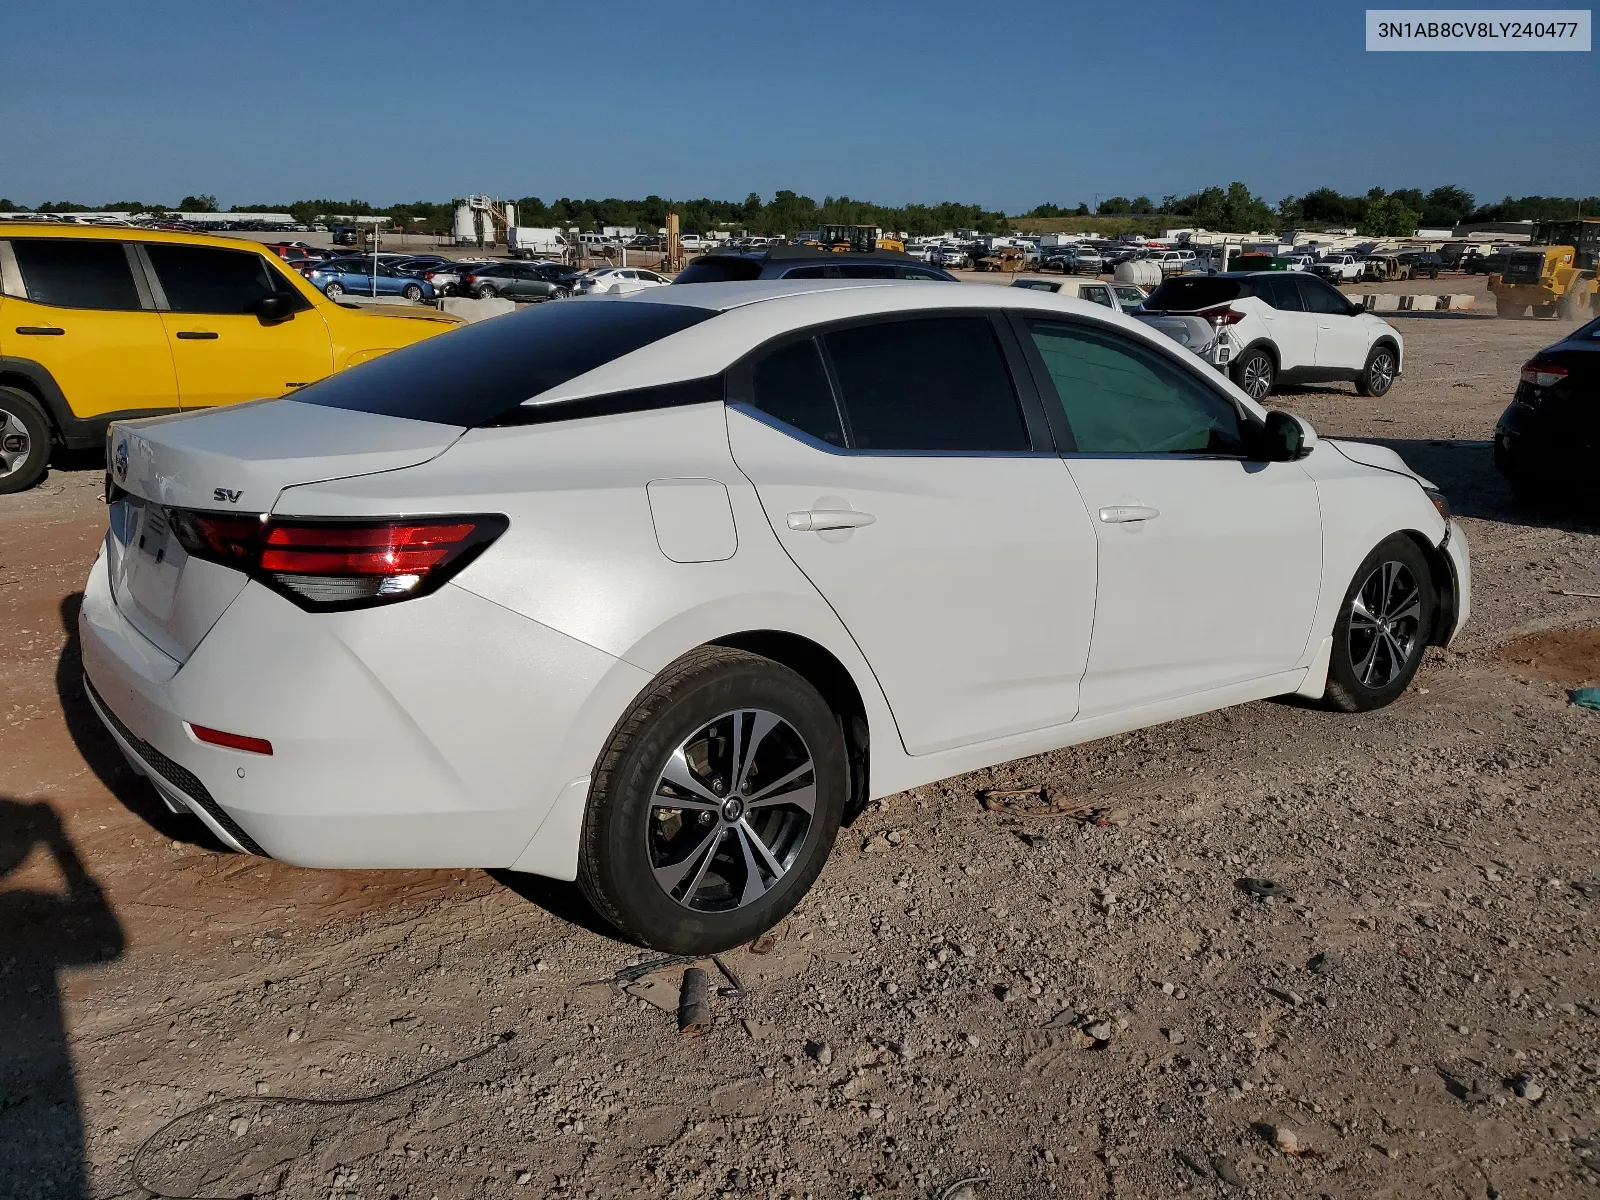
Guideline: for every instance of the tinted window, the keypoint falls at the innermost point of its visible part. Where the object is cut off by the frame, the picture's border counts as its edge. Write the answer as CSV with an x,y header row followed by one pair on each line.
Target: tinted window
x,y
933,384
198,279
474,374
1097,294
791,385
1192,293
1278,291
76,273
862,271
1322,297
1037,285
1123,398
804,273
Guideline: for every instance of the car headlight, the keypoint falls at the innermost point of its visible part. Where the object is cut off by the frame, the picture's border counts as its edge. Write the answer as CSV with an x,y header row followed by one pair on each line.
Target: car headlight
x,y
1438,500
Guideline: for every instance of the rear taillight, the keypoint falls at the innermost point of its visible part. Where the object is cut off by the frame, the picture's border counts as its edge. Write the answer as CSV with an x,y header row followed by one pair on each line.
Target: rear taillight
x,y
470,279
1221,315
1543,375
340,564
233,741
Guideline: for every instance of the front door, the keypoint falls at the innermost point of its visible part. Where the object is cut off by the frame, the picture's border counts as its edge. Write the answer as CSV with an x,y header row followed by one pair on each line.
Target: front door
x,y
1210,563
76,308
897,470
1341,338
223,351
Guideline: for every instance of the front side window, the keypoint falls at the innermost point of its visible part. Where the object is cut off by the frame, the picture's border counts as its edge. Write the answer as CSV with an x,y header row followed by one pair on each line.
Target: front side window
x,y
1097,294
199,279
1322,298
76,273
936,384
1120,397
791,385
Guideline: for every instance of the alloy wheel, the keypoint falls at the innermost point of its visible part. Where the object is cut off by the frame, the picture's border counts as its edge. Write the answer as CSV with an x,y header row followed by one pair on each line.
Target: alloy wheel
x,y
1257,379
333,290
15,443
1385,624
731,811
1380,375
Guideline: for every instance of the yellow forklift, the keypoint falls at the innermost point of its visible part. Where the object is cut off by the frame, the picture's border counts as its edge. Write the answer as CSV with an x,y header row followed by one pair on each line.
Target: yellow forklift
x,y
860,239
1554,276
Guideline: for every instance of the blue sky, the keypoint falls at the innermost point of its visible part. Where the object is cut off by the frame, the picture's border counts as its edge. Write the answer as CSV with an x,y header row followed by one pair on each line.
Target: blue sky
x,y
1006,106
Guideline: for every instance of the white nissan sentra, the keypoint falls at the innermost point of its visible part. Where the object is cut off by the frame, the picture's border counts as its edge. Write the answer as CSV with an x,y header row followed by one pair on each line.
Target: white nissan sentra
x,y
648,591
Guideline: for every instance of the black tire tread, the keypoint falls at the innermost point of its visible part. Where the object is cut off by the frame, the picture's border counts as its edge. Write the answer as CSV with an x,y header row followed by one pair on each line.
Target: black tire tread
x,y
1343,698
41,433
688,670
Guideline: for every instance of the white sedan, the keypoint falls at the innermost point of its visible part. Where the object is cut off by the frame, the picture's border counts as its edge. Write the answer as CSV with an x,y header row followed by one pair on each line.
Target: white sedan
x,y
618,279
648,591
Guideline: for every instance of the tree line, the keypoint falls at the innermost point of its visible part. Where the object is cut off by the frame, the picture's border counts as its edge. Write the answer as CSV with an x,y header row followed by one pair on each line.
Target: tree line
x,y
1234,208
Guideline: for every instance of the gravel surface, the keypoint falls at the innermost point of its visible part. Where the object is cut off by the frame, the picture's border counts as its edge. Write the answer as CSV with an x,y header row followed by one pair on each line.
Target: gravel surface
x,y
1302,954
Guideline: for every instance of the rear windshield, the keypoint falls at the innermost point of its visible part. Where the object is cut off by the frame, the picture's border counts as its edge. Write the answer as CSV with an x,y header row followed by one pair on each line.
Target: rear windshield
x,y
1193,293
472,375
719,269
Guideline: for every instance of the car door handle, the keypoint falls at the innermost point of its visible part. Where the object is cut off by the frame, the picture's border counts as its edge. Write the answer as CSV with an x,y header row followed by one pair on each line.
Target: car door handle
x,y
196,335
1121,514
816,519
41,330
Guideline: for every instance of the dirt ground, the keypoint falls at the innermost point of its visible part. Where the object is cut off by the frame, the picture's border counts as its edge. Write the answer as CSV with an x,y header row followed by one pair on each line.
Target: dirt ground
x,y
1024,1002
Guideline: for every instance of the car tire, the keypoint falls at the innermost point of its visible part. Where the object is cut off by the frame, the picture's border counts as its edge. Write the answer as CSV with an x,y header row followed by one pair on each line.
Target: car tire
x,y
485,292
1382,628
25,441
694,881
333,289
1254,373
560,293
1378,376
411,292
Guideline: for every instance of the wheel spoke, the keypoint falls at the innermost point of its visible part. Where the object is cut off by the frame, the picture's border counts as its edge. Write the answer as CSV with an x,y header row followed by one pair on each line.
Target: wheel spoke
x,y
671,875
803,798
1360,612
763,724
754,886
678,773
1368,661
762,794
1411,612
747,831
1392,607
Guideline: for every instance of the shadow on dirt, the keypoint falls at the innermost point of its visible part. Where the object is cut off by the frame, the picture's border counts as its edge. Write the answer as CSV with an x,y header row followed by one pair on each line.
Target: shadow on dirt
x,y
41,932
95,743
564,901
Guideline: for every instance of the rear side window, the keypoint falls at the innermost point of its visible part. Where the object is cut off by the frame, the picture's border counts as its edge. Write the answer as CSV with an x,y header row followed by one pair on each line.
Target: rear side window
x,y
716,269
935,384
76,273
199,279
1279,291
1321,297
1193,293
1123,398
477,374
791,385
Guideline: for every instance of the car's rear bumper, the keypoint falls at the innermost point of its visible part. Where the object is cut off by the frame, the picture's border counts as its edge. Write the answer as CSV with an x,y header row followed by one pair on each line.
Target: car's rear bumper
x,y
435,737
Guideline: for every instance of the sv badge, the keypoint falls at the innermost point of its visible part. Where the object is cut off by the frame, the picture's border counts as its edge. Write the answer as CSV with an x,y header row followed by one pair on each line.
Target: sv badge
x,y
221,494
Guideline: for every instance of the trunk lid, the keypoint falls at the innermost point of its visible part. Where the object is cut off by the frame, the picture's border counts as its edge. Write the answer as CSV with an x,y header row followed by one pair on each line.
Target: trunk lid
x,y
237,461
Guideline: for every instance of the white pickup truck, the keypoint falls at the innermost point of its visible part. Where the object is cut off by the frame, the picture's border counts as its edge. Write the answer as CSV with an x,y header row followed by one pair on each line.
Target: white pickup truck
x,y
1338,268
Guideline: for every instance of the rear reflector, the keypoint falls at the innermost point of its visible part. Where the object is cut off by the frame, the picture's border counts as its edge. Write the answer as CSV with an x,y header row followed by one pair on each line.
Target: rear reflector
x,y
232,741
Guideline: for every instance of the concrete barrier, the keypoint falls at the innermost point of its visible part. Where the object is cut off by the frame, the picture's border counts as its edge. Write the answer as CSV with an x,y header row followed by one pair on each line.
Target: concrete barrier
x,y
476,310
1457,301
1424,302
1384,303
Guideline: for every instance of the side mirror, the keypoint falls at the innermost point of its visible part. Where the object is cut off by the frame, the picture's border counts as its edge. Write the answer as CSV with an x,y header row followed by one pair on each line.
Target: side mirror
x,y
1357,309
272,309
1286,437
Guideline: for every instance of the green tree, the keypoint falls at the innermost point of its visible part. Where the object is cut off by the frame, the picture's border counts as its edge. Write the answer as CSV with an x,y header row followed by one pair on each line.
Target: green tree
x,y
1114,206
1387,216
205,202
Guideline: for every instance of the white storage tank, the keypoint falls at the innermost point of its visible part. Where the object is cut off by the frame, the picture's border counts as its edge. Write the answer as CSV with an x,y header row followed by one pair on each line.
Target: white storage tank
x,y
466,229
1140,271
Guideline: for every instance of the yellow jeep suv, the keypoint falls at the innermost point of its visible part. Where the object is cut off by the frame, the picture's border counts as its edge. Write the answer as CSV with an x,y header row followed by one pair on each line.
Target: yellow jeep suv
x,y
99,324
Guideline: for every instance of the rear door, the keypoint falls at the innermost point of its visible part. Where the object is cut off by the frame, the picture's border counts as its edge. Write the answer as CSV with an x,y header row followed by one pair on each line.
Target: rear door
x,y
224,351
1210,564
76,307
901,471
1292,328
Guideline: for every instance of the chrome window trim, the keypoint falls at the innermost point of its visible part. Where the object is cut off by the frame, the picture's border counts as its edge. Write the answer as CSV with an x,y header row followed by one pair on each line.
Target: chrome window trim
x,y
158,295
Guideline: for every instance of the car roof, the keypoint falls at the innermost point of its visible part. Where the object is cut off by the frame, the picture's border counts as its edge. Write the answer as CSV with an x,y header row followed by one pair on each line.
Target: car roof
x,y
755,312
128,233
765,254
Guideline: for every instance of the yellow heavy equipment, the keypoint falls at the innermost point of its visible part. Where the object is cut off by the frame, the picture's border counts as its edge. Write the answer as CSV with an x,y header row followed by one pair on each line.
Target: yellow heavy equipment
x,y
861,239
1552,279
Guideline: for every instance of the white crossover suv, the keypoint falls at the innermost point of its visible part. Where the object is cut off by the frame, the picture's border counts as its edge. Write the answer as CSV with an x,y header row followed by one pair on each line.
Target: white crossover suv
x,y
1270,327
652,590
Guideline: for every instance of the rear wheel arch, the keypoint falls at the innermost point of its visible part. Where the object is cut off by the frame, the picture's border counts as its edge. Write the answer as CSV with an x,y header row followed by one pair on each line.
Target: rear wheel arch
x,y
819,667
35,381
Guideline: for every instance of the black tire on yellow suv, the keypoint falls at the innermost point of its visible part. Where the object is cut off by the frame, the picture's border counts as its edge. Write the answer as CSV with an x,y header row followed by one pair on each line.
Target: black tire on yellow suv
x,y
24,441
